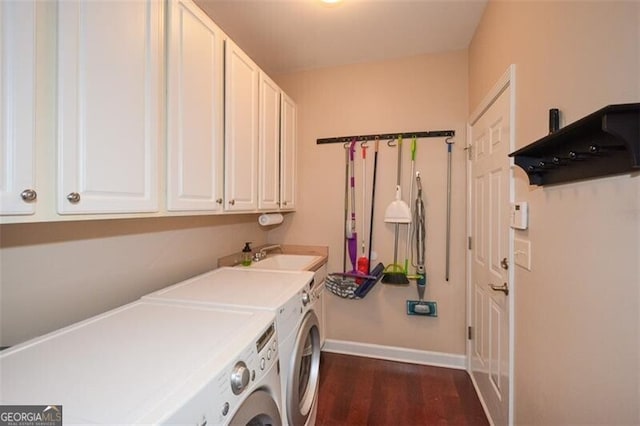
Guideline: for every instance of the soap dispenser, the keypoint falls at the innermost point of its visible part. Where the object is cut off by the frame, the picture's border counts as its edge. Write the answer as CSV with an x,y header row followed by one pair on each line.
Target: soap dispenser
x,y
246,254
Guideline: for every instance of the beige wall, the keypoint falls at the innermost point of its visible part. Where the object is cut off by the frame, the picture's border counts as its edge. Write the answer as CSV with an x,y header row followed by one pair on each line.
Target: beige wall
x,y
54,274
413,94
577,347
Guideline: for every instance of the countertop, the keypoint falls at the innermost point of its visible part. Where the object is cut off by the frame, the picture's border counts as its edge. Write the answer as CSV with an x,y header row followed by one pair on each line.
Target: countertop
x,y
322,251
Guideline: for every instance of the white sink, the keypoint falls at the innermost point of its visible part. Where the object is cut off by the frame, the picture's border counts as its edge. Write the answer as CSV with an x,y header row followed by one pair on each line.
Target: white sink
x,y
286,262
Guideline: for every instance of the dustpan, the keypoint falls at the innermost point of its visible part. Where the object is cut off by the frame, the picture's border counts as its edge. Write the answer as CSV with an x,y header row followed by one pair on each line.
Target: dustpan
x,y
398,211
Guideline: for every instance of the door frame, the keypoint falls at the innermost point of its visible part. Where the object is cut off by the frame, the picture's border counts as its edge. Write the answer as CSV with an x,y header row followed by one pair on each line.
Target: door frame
x,y
508,79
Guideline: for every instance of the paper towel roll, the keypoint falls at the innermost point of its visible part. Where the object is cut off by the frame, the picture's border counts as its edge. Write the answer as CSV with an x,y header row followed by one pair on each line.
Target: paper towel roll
x,y
270,219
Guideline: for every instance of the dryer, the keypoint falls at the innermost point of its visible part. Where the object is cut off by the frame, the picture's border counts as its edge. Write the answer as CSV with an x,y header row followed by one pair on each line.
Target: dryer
x,y
152,363
288,295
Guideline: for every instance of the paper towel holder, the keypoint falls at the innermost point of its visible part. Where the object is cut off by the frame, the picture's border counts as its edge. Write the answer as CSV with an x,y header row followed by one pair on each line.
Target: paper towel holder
x,y
270,219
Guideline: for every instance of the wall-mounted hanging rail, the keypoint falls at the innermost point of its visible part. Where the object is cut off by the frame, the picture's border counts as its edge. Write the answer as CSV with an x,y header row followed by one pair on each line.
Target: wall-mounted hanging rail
x,y
606,142
387,136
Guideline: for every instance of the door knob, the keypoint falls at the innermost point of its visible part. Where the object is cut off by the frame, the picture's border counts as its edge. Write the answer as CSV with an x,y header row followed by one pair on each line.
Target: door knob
x,y
503,288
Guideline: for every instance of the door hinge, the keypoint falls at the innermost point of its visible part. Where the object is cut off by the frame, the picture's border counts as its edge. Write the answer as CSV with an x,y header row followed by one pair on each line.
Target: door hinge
x,y
469,333
469,148
469,243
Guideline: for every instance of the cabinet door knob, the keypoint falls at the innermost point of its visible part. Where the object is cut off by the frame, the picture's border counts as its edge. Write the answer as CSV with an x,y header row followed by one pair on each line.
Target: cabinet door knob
x,y
28,195
73,197
219,201
232,202
284,203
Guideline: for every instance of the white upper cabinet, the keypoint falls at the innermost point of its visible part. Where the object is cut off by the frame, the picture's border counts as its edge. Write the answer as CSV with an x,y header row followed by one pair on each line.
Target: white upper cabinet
x,y
288,141
17,106
241,130
109,63
269,145
195,116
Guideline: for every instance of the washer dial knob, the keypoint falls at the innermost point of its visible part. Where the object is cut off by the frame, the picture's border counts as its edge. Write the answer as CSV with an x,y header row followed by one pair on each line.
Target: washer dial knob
x,y
305,298
239,378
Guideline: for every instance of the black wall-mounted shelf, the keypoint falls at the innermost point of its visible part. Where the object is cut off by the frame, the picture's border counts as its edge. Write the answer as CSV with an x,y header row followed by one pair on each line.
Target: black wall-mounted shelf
x,y
604,143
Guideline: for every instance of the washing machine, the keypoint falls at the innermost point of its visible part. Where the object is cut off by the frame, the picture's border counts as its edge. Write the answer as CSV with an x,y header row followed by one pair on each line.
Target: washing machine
x,y
317,304
152,363
288,295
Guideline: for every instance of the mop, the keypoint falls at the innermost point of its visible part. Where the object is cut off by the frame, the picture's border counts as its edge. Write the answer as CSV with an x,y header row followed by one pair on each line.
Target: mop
x,y
420,307
356,284
352,236
363,260
409,227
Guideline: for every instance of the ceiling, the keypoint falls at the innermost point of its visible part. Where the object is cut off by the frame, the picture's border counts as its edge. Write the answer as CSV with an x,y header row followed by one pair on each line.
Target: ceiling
x,y
284,36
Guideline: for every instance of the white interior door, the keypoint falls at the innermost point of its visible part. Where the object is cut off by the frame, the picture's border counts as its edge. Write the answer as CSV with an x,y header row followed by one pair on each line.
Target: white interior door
x,y
490,256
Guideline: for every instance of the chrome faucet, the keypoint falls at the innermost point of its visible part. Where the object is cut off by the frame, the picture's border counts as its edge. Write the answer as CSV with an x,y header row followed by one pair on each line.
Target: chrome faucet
x,y
262,253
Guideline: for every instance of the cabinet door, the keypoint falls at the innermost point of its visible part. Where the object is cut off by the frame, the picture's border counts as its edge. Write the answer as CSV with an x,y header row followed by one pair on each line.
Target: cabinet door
x,y
195,103
17,105
288,141
241,130
108,123
269,145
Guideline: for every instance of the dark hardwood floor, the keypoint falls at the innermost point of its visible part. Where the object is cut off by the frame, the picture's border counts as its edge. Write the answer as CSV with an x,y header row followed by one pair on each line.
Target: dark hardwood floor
x,y
366,391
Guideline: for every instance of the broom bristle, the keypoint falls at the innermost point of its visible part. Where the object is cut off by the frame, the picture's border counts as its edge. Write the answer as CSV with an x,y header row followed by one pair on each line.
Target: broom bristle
x,y
395,278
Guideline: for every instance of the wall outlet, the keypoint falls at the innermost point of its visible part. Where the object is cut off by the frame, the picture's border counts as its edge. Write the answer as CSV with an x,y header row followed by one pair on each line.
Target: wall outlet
x,y
522,253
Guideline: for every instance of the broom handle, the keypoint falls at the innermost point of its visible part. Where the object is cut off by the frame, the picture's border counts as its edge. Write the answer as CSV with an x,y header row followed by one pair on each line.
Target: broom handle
x,y
346,207
395,245
398,180
373,195
399,167
448,248
364,193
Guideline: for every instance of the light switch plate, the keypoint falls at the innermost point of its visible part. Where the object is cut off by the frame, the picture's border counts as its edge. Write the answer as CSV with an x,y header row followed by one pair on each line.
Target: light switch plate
x,y
522,253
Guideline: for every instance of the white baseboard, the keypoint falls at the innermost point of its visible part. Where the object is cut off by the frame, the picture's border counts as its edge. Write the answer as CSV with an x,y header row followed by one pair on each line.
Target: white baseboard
x,y
392,353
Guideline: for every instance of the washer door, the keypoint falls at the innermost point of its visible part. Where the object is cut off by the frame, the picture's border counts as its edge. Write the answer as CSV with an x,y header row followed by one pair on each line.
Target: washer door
x,y
259,409
302,380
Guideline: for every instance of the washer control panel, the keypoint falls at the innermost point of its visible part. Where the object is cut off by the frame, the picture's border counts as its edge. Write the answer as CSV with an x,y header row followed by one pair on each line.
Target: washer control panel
x,y
241,378
223,394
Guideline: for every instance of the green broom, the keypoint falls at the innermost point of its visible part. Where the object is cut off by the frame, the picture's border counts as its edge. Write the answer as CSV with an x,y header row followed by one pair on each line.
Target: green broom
x,y
397,212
